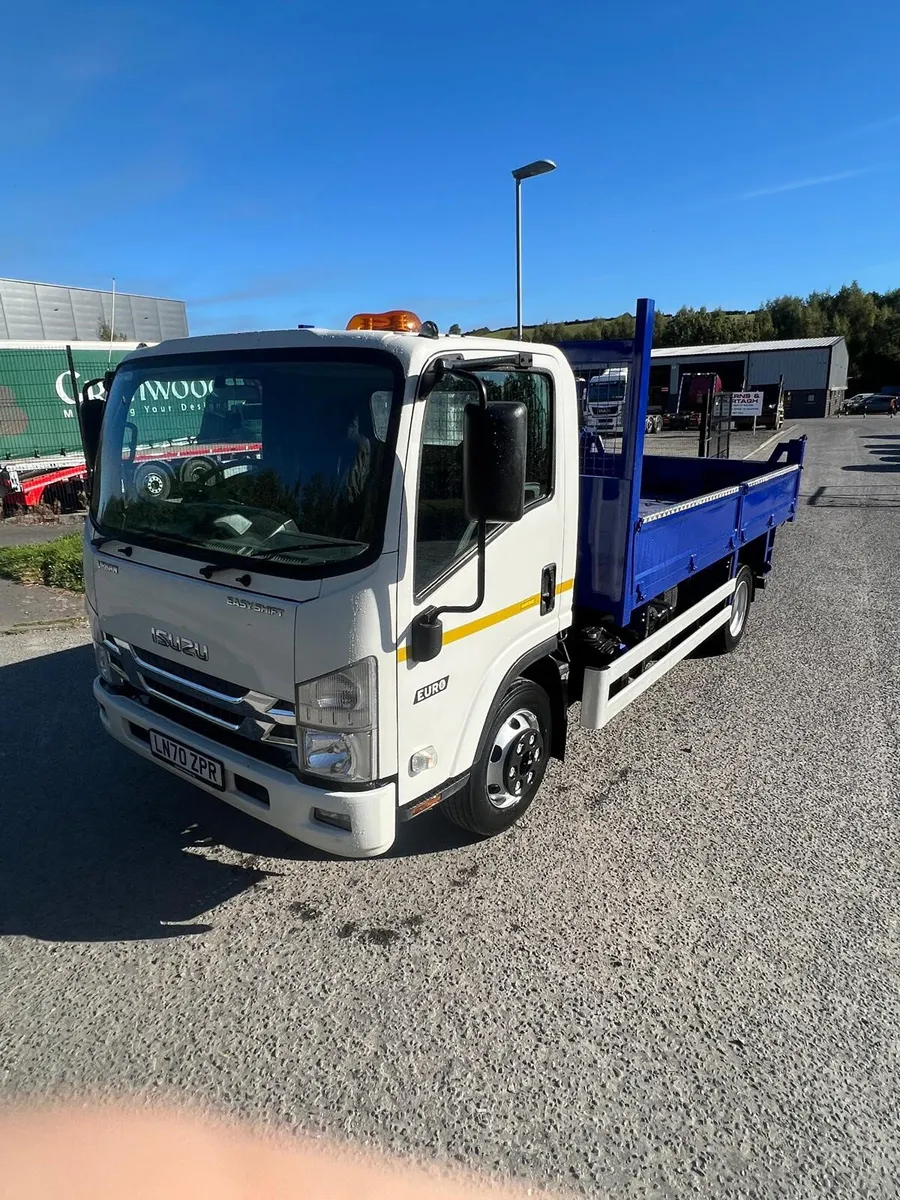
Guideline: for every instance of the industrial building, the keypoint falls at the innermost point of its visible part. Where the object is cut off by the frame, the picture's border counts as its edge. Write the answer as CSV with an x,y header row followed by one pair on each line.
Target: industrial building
x,y
814,370
46,312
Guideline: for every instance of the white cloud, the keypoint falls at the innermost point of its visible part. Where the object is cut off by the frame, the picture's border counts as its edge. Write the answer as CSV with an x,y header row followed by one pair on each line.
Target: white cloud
x,y
796,184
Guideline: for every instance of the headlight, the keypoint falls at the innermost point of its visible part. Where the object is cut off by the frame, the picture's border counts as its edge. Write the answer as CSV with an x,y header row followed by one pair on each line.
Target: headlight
x,y
338,755
337,723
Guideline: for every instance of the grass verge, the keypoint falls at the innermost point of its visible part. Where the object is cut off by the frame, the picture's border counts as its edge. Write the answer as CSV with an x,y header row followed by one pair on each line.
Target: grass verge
x,y
56,564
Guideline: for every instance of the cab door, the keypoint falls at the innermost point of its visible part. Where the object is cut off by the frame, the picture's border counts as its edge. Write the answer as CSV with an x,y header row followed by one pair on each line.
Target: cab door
x,y
443,704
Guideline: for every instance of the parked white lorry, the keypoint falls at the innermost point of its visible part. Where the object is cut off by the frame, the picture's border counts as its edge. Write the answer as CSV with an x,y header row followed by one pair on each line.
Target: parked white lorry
x,y
339,588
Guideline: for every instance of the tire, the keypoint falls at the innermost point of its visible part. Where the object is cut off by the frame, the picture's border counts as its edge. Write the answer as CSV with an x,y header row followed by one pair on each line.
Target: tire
x,y
198,470
727,638
507,776
153,481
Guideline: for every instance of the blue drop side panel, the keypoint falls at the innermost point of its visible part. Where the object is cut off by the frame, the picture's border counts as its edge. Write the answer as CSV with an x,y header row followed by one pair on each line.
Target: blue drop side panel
x,y
669,549
679,544
767,505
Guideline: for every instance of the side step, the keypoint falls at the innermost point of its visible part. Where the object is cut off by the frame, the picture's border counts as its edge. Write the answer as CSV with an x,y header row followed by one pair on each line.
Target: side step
x,y
598,708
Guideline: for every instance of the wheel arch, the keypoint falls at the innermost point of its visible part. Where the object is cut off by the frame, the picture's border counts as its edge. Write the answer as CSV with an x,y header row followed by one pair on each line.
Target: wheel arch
x,y
547,665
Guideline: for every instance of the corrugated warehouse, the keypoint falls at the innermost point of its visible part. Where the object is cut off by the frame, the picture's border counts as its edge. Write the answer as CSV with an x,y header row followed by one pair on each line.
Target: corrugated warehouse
x,y
38,312
814,370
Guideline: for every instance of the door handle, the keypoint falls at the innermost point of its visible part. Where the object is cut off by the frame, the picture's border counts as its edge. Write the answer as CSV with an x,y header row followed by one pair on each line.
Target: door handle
x,y
548,589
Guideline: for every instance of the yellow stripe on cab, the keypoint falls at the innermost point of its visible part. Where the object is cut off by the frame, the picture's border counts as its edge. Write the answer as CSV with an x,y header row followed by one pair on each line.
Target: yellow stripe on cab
x,y
494,618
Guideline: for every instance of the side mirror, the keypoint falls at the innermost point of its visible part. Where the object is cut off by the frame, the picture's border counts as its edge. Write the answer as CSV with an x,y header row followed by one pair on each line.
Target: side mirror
x,y
129,442
91,420
495,440
90,413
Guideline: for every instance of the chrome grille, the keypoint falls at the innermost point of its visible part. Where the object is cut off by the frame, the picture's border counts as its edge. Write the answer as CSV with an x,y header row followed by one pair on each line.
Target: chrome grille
x,y
248,713
223,686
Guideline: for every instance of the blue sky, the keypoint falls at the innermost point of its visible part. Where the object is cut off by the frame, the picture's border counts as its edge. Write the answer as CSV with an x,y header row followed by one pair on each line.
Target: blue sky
x,y
278,163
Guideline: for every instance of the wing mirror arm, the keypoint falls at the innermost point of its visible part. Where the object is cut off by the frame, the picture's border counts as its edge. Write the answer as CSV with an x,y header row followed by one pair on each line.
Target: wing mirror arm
x,y
494,450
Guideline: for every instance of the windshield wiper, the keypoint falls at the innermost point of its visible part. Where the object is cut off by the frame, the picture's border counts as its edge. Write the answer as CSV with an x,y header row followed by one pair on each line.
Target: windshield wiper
x,y
99,542
169,535
296,545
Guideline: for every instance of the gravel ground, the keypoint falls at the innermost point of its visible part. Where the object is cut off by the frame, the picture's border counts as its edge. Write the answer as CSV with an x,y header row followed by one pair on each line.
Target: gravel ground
x,y
677,977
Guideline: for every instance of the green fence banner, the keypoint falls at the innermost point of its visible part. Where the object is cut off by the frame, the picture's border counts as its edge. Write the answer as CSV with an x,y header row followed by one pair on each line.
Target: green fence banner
x,y
37,406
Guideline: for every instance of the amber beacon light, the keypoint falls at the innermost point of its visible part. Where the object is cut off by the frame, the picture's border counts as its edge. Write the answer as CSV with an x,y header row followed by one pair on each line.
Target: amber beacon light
x,y
396,321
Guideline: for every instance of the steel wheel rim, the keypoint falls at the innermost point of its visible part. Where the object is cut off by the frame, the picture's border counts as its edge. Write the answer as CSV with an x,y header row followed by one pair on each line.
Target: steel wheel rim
x,y
514,759
740,605
153,485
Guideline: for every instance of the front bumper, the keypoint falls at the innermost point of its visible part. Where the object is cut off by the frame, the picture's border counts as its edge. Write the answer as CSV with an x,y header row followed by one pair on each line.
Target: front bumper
x,y
372,813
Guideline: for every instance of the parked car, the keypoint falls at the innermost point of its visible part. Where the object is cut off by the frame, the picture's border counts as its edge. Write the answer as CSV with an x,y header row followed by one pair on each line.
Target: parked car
x,y
878,404
855,403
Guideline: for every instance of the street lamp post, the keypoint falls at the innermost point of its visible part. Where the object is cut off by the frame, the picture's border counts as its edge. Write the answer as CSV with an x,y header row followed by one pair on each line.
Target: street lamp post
x,y
541,167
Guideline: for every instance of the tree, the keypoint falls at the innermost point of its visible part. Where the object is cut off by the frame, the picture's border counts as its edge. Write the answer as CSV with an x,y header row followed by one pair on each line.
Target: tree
x,y
106,333
787,316
763,327
855,311
454,331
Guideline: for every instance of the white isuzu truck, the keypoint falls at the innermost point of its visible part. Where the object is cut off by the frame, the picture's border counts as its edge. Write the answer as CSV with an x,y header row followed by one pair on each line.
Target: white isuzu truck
x,y
337,578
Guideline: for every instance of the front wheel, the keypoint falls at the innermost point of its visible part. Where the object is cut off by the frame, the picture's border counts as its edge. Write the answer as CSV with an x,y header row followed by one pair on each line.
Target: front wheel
x,y
726,638
153,481
506,777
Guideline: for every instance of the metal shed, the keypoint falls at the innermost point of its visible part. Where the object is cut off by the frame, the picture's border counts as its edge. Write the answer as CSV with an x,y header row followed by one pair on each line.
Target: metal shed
x,y
40,312
814,369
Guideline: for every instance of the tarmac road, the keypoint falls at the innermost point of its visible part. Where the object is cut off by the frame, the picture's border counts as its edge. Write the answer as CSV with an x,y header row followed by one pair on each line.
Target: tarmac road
x,y
678,977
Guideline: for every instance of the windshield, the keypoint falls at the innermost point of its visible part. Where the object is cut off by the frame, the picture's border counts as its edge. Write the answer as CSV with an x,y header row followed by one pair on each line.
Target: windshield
x,y
607,387
277,457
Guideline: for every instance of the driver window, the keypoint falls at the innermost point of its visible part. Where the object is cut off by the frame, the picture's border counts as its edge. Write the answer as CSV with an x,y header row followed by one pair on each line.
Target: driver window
x,y
443,532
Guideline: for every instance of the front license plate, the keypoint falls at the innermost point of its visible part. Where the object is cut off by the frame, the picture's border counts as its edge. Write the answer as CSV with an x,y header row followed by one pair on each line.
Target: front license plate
x,y
207,770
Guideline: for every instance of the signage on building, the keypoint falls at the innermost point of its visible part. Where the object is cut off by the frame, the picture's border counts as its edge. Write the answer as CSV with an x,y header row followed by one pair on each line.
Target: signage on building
x,y
746,404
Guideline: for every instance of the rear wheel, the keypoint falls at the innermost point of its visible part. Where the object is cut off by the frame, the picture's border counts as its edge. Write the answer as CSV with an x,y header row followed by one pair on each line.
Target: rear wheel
x,y
725,639
506,777
199,470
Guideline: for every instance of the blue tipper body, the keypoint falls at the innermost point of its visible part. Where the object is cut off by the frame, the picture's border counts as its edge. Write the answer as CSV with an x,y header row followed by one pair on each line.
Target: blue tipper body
x,y
648,523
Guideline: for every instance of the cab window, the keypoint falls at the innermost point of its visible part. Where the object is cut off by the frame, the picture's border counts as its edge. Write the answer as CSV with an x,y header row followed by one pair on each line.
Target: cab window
x,y
444,535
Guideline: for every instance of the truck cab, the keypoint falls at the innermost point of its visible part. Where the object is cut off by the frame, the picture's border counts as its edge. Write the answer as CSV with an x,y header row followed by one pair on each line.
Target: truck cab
x,y
254,616
694,389
605,400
